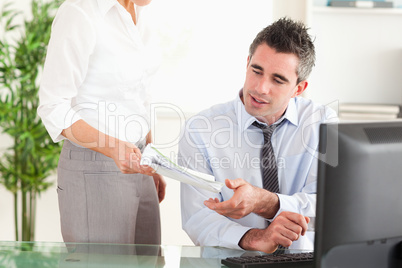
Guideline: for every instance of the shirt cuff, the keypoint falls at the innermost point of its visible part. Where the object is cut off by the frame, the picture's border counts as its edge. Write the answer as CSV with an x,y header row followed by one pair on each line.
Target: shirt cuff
x,y
286,203
232,238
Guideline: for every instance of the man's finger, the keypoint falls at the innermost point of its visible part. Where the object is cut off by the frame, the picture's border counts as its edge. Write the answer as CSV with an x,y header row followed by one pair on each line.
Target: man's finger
x,y
307,222
210,204
234,184
298,219
221,207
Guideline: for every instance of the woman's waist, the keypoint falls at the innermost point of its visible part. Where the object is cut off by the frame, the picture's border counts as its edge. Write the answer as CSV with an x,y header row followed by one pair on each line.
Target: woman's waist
x,y
77,152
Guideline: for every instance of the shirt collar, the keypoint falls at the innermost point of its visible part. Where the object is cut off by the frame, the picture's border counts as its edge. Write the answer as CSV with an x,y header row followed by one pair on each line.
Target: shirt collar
x,y
291,112
106,5
245,120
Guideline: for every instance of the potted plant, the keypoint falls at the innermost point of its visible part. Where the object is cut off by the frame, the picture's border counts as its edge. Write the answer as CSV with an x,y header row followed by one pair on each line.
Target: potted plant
x,y
32,157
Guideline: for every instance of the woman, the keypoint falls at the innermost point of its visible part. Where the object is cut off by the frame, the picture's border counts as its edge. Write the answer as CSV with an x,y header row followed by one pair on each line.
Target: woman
x,y
93,95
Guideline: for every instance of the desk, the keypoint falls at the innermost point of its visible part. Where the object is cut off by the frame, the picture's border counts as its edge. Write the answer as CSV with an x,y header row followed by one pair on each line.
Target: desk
x,y
73,255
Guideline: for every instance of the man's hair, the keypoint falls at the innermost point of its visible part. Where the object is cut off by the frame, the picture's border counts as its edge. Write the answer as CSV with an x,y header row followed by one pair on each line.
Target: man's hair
x,y
288,36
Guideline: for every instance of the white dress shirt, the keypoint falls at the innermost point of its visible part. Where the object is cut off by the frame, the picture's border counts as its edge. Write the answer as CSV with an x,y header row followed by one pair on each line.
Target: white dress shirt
x,y
221,141
98,68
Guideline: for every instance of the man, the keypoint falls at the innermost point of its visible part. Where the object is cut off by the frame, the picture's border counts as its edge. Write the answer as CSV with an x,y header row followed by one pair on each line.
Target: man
x,y
224,141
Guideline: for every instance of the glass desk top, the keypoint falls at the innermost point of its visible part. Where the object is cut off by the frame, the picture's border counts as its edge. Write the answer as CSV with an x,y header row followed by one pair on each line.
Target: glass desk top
x,y
72,255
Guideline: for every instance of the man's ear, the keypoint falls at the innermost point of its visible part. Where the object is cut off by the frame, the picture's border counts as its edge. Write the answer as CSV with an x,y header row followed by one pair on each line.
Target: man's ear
x,y
300,88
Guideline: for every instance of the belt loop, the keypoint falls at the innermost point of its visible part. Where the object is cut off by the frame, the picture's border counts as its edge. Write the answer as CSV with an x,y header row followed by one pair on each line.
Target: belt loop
x,y
69,154
93,156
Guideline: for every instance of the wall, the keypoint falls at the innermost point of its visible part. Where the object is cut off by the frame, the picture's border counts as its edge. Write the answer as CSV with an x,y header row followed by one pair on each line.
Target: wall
x,y
359,51
206,48
359,56
296,9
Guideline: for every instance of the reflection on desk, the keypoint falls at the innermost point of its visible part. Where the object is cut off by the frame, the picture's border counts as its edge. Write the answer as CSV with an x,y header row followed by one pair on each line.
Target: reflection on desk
x,y
73,255
63,255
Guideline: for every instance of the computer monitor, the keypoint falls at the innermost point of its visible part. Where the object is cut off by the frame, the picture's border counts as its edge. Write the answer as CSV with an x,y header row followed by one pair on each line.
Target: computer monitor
x,y
359,195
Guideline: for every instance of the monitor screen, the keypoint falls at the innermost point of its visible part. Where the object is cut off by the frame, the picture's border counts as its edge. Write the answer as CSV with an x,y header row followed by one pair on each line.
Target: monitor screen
x,y
359,195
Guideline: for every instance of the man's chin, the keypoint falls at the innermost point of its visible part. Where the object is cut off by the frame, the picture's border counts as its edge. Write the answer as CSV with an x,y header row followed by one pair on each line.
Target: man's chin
x,y
253,111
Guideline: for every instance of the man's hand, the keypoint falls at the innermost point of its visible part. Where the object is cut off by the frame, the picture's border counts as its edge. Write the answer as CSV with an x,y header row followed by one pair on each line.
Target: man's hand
x,y
245,200
160,185
286,228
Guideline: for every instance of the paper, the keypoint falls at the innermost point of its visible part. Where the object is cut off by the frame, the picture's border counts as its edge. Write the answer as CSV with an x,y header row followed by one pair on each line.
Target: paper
x,y
164,166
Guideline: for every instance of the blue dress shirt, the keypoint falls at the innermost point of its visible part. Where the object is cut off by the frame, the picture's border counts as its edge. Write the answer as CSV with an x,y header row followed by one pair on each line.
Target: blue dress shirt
x,y
222,141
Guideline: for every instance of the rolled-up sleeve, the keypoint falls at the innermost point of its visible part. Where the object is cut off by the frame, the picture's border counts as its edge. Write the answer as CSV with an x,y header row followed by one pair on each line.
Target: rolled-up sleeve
x,y
72,42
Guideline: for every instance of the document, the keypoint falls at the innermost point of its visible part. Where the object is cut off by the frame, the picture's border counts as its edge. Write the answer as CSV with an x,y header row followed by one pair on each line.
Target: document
x,y
164,166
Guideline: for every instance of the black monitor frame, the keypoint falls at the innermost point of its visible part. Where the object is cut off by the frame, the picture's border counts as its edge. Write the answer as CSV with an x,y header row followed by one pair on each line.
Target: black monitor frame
x,y
359,195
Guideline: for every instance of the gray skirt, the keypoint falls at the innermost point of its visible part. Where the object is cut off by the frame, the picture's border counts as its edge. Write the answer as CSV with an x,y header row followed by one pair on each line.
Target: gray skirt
x,y
99,204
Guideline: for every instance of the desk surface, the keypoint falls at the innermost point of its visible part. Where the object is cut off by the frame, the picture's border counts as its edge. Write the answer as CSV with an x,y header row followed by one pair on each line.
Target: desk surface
x,y
48,254
72,255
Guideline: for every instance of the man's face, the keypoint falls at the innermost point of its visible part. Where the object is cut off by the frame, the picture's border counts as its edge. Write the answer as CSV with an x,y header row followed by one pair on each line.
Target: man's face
x,y
271,81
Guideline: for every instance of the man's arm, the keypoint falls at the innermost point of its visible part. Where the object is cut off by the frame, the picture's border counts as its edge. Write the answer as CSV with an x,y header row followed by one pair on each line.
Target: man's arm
x,y
205,227
286,228
283,230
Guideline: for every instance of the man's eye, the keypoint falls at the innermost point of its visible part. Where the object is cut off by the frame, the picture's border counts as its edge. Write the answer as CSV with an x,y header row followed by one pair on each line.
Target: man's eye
x,y
278,81
256,72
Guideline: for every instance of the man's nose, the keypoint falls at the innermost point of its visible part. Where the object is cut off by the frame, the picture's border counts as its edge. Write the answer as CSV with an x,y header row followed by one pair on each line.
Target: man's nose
x,y
264,87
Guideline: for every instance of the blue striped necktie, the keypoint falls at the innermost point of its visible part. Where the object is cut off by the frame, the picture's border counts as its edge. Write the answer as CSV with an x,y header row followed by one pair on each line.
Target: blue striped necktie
x,y
269,169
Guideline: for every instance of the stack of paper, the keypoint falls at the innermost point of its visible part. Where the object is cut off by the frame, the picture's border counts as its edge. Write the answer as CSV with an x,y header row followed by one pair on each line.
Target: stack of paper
x,y
164,166
363,112
361,3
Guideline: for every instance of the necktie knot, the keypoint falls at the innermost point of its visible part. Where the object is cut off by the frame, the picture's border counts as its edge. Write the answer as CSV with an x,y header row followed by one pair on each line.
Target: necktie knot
x,y
268,162
266,130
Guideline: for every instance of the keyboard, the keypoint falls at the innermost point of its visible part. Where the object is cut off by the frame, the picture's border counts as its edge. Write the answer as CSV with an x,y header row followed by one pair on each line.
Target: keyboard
x,y
283,260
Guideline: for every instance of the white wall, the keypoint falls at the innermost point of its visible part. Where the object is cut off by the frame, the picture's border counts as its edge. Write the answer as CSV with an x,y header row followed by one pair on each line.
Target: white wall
x,y
359,56
359,51
206,48
205,51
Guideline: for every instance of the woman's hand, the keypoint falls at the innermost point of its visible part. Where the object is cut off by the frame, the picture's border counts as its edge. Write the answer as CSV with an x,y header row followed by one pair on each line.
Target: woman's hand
x,y
127,157
160,185
125,154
